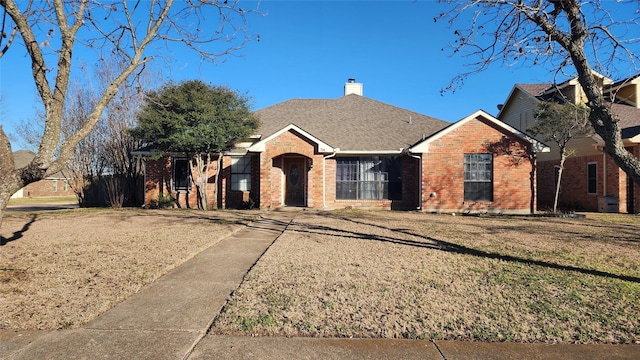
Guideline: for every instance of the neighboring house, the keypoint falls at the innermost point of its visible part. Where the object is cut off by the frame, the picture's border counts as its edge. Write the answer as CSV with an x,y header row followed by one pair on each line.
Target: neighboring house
x,y
357,152
591,180
55,185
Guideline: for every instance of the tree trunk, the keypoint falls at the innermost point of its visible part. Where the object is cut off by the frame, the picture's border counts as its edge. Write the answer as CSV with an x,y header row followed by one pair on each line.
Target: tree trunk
x,y
10,178
201,181
217,178
601,119
563,157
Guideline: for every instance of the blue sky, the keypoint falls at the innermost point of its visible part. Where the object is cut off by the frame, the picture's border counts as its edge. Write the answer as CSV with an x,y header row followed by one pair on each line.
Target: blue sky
x,y
308,49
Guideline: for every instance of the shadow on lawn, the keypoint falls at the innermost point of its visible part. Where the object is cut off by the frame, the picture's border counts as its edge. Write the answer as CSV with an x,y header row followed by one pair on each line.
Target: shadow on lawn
x,y
20,233
450,247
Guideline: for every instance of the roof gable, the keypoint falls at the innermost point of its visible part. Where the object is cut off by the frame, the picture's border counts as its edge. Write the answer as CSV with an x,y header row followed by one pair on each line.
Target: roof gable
x,y
423,147
323,147
350,123
529,90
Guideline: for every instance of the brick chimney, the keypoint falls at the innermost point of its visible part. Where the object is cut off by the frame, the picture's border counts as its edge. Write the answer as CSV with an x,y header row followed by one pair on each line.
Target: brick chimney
x,y
352,87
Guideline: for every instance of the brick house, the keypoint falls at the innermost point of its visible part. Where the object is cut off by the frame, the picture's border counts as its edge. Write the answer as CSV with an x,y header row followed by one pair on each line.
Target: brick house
x,y
591,180
357,152
52,186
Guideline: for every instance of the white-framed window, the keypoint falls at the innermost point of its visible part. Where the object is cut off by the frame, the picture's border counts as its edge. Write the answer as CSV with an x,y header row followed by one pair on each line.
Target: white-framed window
x,y
478,177
241,173
54,185
592,178
181,174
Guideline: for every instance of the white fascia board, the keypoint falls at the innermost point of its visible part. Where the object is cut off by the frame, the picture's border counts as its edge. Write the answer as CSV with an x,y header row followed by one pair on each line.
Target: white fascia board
x,y
260,146
423,147
236,152
632,141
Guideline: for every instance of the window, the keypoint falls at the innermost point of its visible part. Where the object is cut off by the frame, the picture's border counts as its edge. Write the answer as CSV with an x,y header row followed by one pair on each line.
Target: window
x,y
65,186
54,185
369,178
478,177
181,175
592,178
241,173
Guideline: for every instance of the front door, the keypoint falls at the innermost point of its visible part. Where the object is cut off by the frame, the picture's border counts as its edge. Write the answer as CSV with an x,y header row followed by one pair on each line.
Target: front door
x,y
295,175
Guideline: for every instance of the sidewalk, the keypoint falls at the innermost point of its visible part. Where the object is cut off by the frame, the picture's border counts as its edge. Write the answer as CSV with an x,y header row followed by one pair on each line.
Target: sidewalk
x,y
169,319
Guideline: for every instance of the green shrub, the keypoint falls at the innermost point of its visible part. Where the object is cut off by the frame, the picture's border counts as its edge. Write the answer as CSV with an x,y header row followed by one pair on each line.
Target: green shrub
x,y
163,202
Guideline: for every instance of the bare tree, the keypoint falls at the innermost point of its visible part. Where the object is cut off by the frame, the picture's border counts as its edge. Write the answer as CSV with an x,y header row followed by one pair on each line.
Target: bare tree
x,y
560,123
86,161
583,36
107,150
117,142
136,32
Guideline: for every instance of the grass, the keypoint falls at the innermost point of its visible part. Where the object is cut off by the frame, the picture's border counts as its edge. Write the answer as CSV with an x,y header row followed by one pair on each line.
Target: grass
x,y
60,269
343,273
421,276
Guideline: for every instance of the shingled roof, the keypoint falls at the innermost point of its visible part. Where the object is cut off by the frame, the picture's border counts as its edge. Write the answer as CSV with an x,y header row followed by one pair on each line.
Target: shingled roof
x,y
351,123
22,158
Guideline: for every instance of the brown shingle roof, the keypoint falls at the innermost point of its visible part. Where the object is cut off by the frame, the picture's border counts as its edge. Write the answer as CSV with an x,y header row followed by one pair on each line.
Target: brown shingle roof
x,y
534,89
351,123
22,158
629,119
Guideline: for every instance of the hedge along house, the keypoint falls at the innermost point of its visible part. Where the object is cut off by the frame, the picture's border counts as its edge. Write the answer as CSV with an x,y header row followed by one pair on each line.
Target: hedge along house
x,y
357,152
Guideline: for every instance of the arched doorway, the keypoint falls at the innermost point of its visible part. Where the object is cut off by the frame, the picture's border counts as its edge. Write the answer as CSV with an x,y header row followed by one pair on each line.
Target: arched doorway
x,y
295,184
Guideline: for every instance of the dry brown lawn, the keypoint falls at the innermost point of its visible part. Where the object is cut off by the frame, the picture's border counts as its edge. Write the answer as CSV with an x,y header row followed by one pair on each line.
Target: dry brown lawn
x,y
61,269
422,276
343,273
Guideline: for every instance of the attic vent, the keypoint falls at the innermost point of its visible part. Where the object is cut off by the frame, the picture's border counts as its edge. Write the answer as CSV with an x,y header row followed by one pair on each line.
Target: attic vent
x,y
352,87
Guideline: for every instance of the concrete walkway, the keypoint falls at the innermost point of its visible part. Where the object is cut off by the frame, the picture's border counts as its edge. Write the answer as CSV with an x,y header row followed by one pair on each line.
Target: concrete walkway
x,y
169,319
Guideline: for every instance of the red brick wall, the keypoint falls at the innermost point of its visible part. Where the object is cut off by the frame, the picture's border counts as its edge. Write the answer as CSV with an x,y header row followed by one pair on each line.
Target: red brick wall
x,y
443,170
271,182
573,191
410,184
233,199
320,179
158,181
573,186
46,188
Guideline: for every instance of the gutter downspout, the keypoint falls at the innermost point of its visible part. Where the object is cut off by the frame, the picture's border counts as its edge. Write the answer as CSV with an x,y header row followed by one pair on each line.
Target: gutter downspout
x,y
419,207
324,177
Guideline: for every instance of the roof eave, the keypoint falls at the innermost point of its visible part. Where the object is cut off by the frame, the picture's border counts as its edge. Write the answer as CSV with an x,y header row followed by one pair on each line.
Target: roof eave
x,y
370,152
261,145
536,146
